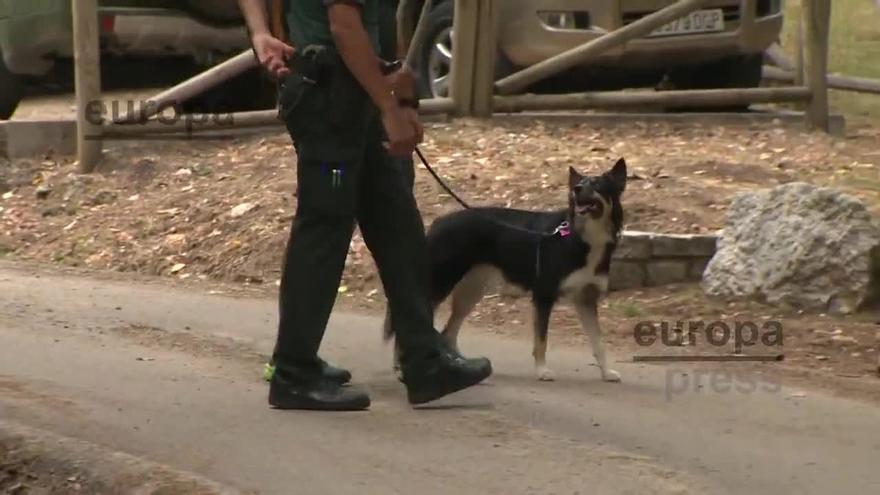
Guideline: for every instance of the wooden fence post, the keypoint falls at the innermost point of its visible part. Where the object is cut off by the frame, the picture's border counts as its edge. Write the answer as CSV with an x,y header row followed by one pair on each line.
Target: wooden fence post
x,y
799,64
87,75
485,60
464,39
817,19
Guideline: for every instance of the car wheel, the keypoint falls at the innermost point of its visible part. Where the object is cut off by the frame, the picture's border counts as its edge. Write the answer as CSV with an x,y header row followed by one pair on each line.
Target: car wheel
x,y
435,49
11,91
743,71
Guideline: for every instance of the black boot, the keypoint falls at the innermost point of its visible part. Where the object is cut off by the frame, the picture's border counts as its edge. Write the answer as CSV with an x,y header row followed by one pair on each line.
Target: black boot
x,y
314,393
334,374
338,375
430,379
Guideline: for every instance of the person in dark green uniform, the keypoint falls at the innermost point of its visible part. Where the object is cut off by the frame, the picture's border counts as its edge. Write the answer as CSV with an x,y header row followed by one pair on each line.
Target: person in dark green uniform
x,y
354,127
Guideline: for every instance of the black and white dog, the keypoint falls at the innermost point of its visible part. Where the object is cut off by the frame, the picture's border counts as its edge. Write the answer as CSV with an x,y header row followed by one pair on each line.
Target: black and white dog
x,y
552,255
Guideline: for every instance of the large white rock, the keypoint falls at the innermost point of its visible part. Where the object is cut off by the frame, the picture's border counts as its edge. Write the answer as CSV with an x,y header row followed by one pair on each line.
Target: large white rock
x,y
810,247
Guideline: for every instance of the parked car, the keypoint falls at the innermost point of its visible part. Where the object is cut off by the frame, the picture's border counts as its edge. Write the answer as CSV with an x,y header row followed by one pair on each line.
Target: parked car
x,y
36,36
720,45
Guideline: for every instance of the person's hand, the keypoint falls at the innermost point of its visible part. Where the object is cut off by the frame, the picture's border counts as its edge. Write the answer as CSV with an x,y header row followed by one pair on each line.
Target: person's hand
x,y
403,82
272,54
412,115
402,134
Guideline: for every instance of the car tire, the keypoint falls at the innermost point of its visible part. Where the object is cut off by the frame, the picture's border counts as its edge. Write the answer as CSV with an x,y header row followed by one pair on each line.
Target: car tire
x,y
431,64
742,71
11,91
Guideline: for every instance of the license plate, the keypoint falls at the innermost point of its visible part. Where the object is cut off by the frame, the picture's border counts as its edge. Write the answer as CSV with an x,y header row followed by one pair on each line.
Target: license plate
x,y
701,21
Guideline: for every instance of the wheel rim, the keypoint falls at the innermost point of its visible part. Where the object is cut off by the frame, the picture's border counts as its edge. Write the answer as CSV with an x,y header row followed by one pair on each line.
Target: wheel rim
x,y
440,62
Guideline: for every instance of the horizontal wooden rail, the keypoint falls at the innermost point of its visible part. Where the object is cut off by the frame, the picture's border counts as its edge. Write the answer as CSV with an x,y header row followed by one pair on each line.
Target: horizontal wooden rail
x,y
238,120
616,99
844,83
193,86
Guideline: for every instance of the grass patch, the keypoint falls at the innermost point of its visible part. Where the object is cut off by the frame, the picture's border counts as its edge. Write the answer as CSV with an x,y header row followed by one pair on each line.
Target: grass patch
x,y
854,50
629,309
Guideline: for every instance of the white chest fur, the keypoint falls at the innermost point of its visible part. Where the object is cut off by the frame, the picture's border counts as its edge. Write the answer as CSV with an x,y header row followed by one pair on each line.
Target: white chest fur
x,y
597,236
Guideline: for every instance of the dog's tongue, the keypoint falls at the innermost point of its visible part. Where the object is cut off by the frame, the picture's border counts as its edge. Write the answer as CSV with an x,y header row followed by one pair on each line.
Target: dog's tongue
x,y
589,207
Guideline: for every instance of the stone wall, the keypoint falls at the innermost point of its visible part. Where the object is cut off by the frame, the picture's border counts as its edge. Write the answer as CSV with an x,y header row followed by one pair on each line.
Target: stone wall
x,y
647,259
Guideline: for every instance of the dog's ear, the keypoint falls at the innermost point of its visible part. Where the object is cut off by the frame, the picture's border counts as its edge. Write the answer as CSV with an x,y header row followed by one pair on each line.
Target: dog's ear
x,y
618,175
574,178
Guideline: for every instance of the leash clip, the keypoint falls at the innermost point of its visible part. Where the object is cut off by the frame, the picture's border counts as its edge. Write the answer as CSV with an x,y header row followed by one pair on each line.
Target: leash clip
x,y
564,230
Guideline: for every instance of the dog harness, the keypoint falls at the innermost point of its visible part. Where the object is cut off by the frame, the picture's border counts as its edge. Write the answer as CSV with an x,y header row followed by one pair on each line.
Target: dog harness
x,y
563,230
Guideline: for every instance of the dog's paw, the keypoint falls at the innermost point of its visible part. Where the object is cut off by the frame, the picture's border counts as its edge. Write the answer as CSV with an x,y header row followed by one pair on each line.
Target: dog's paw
x,y
545,374
611,376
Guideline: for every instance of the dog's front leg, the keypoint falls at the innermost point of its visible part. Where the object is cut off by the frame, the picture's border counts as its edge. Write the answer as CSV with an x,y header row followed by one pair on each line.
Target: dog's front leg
x,y
541,326
588,314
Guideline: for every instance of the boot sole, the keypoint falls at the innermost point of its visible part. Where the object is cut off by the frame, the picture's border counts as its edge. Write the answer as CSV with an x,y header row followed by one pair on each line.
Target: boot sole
x,y
425,396
308,405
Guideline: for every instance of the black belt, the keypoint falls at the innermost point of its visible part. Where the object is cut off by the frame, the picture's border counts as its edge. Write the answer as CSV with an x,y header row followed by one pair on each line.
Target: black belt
x,y
316,61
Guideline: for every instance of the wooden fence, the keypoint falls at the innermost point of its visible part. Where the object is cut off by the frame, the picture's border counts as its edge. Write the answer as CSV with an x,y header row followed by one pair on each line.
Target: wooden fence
x,y
474,90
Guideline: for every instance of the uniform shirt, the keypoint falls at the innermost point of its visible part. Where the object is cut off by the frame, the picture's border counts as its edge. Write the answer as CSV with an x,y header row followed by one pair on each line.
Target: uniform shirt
x,y
309,24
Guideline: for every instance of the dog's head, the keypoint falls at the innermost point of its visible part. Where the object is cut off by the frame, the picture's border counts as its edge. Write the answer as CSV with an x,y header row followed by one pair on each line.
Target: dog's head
x,y
594,201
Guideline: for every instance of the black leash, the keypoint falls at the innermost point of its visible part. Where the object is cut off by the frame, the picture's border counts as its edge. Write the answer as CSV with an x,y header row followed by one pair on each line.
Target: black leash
x,y
440,181
563,229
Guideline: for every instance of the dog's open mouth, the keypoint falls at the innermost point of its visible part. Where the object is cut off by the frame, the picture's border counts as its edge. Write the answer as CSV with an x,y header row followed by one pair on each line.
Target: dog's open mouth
x,y
591,206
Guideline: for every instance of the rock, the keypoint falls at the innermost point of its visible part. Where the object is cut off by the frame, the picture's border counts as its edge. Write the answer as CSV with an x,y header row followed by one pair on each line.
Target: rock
x,y
53,211
43,191
844,339
202,170
103,197
175,241
241,209
797,244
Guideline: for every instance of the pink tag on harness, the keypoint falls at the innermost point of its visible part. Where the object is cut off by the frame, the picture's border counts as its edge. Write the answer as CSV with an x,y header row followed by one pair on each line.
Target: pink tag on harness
x,y
563,230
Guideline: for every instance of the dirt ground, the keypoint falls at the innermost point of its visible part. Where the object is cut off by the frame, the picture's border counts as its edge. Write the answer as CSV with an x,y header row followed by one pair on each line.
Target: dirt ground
x,y
26,473
220,211
181,386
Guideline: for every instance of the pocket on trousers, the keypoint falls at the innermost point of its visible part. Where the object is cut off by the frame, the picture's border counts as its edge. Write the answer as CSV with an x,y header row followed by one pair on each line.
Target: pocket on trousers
x,y
299,104
327,188
326,122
